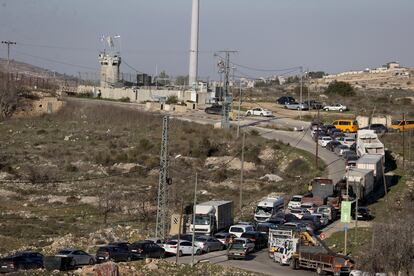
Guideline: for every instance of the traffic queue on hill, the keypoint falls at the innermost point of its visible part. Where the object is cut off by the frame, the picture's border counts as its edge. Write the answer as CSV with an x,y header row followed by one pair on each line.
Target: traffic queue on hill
x,y
283,226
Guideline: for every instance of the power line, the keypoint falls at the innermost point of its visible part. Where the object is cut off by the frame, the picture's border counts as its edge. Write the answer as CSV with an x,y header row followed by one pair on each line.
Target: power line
x,y
57,61
132,67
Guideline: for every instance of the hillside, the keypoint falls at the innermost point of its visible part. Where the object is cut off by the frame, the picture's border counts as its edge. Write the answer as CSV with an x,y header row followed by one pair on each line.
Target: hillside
x,y
89,174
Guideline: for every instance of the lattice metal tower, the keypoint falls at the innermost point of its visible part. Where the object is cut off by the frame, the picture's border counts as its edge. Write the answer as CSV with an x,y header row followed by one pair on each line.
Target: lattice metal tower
x,y
162,210
227,98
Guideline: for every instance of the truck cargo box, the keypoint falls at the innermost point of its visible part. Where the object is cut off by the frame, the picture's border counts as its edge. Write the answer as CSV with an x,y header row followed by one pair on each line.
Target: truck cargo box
x,y
372,162
322,187
361,181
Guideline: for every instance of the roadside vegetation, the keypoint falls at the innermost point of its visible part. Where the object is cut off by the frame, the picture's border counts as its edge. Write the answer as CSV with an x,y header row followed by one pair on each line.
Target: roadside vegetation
x,y
89,174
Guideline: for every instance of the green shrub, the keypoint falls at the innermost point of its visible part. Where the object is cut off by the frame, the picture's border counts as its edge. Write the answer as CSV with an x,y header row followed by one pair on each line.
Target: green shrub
x,y
172,100
298,167
341,88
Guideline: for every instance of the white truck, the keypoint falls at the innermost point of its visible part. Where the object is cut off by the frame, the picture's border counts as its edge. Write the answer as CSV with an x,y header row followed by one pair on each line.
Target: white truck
x,y
373,162
368,143
301,249
268,206
212,216
362,182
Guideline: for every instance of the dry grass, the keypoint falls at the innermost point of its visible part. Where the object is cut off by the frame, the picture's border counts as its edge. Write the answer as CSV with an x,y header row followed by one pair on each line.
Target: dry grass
x,y
55,155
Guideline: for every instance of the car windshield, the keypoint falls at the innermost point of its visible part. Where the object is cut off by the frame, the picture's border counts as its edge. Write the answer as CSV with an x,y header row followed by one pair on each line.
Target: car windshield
x,y
296,199
202,220
64,252
200,239
237,245
295,211
323,210
236,229
263,210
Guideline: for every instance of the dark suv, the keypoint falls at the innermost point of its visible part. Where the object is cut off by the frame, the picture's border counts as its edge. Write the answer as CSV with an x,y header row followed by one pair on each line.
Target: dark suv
x,y
113,253
146,249
285,100
21,260
214,109
259,239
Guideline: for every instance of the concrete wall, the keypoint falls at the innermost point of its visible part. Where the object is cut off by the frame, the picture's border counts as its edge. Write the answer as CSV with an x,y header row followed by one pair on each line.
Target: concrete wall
x,y
145,95
363,121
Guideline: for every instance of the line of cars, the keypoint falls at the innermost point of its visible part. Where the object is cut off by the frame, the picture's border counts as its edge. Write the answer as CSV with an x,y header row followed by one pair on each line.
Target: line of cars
x,y
71,258
290,103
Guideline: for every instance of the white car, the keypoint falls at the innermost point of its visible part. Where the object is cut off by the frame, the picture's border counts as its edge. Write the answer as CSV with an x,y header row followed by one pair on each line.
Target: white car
x,y
186,248
259,112
310,207
335,107
295,202
324,140
239,229
347,141
247,243
298,212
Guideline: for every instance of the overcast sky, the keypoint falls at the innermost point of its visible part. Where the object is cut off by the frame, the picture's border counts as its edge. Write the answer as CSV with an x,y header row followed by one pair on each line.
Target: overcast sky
x,y
326,35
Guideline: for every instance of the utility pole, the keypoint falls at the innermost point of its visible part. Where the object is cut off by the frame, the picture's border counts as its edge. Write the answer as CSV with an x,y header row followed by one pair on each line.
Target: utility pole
x,y
346,226
8,43
194,215
306,78
241,173
238,112
180,223
164,181
403,141
225,68
301,91
317,144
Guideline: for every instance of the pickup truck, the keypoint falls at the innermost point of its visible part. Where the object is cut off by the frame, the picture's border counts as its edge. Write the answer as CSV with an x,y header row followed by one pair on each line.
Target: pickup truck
x,y
297,106
336,107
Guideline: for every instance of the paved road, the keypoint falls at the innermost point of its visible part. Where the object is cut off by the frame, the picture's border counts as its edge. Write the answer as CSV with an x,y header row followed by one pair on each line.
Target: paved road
x,y
257,262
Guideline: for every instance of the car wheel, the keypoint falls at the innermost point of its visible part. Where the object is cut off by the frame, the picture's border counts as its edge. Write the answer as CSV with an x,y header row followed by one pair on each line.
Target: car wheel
x,y
294,263
198,252
319,270
341,110
248,114
222,247
129,258
162,255
91,261
229,258
261,115
207,250
180,253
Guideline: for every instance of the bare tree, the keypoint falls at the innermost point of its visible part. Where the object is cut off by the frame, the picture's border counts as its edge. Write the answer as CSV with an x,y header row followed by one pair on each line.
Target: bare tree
x,y
109,201
392,245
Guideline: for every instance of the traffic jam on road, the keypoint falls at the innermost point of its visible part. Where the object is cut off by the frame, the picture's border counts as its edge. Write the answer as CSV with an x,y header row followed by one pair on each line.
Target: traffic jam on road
x,y
290,230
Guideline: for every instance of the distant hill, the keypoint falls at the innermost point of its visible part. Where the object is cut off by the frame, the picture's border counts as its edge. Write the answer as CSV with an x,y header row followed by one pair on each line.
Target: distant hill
x,y
33,71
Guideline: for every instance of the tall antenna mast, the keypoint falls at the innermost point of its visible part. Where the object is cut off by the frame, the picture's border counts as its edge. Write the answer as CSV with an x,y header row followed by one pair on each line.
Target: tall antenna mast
x,y
162,209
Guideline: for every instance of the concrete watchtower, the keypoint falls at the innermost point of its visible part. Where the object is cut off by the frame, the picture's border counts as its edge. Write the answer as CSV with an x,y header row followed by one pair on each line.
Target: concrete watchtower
x,y
110,62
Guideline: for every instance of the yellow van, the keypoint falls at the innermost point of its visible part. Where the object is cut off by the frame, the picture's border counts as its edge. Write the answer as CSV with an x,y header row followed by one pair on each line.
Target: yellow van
x,y
401,125
346,125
